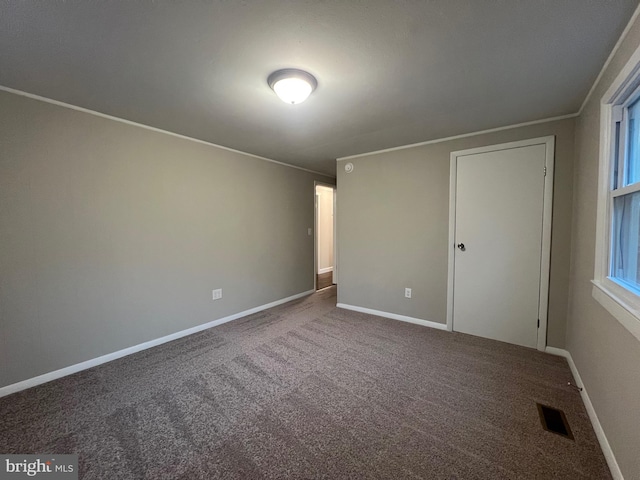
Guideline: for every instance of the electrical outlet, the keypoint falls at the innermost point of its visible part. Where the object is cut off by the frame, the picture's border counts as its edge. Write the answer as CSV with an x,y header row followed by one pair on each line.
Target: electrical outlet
x,y
217,294
407,293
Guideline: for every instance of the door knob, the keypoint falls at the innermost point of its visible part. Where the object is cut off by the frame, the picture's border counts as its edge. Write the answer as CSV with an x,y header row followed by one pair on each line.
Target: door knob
x,y
461,246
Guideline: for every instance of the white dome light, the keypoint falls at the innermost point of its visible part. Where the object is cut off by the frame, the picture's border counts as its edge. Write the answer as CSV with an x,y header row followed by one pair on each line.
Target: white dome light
x,y
291,85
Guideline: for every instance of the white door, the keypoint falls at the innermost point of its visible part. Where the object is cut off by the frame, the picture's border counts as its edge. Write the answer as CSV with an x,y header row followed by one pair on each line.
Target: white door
x,y
498,249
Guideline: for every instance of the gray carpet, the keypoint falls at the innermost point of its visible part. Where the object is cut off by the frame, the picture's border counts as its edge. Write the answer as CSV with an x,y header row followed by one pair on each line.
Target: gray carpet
x,y
306,390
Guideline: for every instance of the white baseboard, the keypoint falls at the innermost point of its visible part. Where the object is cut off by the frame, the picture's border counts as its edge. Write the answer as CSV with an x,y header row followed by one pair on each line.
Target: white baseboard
x,y
394,316
325,270
602,438
63,372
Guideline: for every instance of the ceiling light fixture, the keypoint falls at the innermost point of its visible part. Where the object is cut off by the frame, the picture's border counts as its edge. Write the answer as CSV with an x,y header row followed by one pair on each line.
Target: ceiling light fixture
x,y
291,85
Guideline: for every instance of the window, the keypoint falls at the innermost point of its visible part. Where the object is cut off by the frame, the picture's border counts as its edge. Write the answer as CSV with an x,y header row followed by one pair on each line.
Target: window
x,y
624,261
617,267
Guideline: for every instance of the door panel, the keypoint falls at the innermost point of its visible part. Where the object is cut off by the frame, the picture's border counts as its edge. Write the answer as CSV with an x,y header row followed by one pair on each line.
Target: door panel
x,y
499,217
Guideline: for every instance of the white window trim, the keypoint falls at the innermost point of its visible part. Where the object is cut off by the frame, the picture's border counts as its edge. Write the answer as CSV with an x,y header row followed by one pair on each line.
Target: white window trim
x,y
620,302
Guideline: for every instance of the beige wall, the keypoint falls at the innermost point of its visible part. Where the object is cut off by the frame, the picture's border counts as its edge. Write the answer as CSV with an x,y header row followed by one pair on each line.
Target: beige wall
x,y
325,227
393,226
112,235
606,354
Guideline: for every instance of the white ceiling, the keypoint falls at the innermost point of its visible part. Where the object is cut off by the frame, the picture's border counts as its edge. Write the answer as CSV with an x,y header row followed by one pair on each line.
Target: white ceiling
x,y
389,73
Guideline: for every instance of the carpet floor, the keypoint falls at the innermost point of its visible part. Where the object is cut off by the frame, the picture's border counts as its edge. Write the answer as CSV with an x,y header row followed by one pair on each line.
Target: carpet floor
x,y
307,390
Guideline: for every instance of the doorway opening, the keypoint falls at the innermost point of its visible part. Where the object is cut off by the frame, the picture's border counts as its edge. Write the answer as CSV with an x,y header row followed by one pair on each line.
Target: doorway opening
x,y
325,238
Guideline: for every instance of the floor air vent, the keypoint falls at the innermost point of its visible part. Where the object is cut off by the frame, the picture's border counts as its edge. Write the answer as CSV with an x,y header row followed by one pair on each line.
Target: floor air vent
x,y
554,421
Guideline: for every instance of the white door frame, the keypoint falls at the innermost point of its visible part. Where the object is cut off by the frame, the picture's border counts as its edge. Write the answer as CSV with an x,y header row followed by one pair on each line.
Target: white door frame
x,y
315,231
335,235
543,300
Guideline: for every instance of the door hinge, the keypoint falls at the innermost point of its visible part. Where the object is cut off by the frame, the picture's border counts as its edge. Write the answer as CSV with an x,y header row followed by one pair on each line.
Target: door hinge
x,y
538,323
545,171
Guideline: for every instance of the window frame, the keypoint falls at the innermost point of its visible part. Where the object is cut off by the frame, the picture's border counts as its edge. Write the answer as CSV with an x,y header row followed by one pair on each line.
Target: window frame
x,y
619,300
